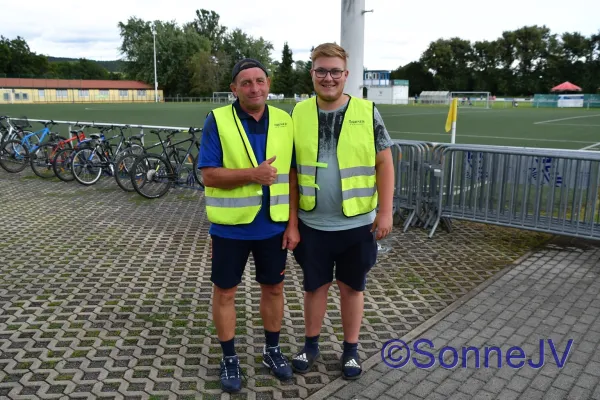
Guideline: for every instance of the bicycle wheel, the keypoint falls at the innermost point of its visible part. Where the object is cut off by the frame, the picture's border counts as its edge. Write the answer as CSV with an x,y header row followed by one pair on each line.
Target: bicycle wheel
x,y
62,164
86,166
185,165
152,176
123,168
41,160
14,157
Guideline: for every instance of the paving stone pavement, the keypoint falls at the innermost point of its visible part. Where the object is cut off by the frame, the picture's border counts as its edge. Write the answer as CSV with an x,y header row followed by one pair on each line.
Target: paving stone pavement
x,y
104,294
547,301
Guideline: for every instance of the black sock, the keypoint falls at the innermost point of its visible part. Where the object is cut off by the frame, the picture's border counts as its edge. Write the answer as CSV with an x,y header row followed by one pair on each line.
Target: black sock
x,y
228,348
272,338
350,349
311,344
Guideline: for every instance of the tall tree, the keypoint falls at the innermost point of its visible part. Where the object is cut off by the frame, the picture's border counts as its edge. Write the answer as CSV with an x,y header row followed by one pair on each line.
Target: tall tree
x,y
419,78
207,73
17,59
304,84
207,25
450,62
238,45
285,76
175,46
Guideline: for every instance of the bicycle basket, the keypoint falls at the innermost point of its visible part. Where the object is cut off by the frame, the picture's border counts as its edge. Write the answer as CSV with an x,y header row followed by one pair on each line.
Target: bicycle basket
x,y
22,122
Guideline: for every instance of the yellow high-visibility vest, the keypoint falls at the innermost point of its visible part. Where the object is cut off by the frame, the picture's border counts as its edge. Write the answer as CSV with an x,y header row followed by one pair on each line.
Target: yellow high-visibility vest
x,y
242,204
355,153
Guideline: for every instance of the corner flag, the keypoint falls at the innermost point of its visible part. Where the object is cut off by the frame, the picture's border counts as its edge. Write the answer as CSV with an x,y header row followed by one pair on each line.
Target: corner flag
x,y
451,120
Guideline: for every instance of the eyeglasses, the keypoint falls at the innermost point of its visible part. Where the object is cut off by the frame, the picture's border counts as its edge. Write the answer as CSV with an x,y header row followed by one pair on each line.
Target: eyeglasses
x,y
335,73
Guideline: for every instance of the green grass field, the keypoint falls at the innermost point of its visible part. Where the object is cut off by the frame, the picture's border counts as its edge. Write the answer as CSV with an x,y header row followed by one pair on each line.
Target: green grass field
x,y
530,127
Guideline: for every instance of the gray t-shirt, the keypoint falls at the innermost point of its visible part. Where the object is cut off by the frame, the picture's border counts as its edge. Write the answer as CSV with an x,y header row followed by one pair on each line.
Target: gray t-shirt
x,y
328,214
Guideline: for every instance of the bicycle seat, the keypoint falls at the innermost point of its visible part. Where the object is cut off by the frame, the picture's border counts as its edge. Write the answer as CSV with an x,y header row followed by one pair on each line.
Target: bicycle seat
x,y
95,136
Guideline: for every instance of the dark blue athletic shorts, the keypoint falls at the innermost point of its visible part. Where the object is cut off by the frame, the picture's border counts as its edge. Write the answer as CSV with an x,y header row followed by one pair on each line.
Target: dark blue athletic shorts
x,y
229,258
353,252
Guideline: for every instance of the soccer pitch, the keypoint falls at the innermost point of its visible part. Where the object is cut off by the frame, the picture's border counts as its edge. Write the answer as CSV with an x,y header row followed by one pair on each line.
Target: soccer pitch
x,y
529,127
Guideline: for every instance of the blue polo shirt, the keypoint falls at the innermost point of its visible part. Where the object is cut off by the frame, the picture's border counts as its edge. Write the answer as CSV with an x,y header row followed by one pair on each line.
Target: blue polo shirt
x,y
211,155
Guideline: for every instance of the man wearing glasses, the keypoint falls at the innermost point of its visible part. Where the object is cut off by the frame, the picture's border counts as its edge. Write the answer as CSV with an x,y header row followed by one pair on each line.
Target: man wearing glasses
x,y
344,171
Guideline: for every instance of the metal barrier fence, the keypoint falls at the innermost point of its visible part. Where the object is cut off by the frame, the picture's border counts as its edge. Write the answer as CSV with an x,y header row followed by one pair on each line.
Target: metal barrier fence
x,y
545,190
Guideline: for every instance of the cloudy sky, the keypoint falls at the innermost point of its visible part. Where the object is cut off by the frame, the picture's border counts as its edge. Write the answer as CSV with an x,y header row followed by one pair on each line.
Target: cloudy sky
x,y
396,33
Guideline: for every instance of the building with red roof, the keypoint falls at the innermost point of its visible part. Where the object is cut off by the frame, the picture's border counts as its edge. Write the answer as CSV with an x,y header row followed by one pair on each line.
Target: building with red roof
x,y
28,90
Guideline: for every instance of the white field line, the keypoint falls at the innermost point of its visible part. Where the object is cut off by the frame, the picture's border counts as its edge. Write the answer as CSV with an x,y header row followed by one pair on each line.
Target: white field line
x,y
590,146
584,125
495,137
564,119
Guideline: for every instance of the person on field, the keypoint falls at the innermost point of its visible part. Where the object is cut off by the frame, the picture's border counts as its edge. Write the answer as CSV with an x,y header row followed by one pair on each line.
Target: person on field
x,y
344,171
251,202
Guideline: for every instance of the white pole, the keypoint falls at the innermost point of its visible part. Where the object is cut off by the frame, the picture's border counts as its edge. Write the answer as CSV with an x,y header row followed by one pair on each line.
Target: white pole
x,y
155,76
453,138
353,41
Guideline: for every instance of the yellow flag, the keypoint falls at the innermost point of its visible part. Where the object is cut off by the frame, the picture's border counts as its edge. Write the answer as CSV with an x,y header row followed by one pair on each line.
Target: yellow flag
x,y
452,114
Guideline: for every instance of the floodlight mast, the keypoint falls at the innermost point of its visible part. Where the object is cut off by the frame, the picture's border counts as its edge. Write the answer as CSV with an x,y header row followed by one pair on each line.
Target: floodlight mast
x,y
155,75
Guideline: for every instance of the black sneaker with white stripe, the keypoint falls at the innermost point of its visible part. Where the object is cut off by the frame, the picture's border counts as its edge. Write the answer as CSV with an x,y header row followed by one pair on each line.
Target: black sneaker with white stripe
x,y
231,374
277,363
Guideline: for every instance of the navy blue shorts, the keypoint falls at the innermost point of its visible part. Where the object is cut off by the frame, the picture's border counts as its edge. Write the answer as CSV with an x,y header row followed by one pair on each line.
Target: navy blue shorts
x,y
229,258
353,252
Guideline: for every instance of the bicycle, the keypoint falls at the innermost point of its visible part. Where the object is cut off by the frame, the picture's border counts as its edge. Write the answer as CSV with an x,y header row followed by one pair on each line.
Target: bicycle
x,y
42,160
167,172
61,163
14,130
124,162
14,157
39,136
17,139
90,162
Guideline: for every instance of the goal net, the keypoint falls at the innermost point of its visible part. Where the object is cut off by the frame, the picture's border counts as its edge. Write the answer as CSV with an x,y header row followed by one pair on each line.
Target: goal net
x,y
433,97
472,99
223,97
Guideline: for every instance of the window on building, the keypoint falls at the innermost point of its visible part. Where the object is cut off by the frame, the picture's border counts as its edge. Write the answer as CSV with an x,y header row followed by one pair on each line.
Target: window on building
x,y
41,93
61,93
103,92
17,96
141,93
84,93
25,96
6,96
123,93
